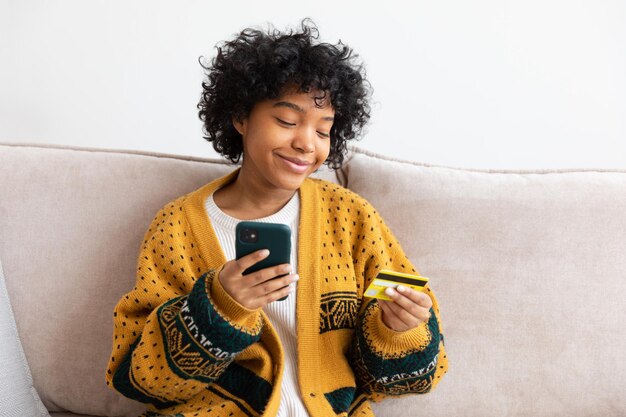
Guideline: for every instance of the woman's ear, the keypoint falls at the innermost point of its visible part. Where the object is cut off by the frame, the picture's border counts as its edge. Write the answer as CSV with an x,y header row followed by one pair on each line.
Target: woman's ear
x,y
240,125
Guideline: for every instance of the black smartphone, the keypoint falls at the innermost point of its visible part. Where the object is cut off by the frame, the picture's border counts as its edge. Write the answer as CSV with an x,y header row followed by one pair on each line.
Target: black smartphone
x,y
254,236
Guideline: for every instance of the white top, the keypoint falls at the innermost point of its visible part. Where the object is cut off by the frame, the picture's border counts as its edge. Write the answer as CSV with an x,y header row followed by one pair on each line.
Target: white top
x,y
282,314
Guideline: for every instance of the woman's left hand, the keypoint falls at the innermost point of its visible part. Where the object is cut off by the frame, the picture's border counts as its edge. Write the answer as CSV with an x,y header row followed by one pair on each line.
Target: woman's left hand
x,y
407,309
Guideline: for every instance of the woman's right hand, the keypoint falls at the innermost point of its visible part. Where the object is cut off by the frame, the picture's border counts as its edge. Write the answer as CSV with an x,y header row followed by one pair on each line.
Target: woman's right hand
x,y
259,288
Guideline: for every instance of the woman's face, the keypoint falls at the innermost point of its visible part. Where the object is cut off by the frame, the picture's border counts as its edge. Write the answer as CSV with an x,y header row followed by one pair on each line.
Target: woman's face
x,y
286,139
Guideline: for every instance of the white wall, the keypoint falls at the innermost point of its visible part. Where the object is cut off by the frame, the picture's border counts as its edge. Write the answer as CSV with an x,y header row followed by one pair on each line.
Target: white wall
x,y
479,83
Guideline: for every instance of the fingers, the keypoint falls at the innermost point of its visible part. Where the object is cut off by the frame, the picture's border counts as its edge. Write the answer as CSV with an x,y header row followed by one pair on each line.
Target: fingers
x,y
271,290
409,305
399,318
269,273
416,296
282,292
263,275
247,261
389,317
268,286
253,297
258,288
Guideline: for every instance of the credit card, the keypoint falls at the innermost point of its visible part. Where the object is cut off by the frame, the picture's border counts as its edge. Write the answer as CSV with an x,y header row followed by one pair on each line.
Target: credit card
x,y
386,278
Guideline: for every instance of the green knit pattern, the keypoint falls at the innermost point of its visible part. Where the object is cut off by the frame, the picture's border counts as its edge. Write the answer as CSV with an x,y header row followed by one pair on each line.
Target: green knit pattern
x,y
410,373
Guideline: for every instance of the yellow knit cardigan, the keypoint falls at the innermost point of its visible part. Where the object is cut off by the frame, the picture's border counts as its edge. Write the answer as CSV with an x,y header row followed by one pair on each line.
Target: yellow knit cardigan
x,y
183,346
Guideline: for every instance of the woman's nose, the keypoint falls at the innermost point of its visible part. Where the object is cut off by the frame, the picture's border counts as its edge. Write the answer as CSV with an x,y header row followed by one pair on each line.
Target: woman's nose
x,y
305,140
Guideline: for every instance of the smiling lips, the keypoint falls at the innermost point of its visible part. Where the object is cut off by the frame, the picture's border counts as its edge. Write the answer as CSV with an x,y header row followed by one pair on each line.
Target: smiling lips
x,y
297,165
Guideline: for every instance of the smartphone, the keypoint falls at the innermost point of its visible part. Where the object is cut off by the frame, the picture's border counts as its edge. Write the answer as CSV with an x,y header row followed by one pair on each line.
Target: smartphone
x,y
254,236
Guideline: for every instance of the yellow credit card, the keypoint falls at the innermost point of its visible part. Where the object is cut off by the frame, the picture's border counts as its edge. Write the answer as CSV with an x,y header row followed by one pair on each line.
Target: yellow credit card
x,y
386,278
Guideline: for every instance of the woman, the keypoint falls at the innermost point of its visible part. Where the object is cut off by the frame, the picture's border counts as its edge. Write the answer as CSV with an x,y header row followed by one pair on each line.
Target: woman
x,y
196,337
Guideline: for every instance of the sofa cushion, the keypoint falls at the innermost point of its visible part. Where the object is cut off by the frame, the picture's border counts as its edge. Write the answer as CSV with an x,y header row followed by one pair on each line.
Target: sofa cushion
x,y
18,397
73,220
529,269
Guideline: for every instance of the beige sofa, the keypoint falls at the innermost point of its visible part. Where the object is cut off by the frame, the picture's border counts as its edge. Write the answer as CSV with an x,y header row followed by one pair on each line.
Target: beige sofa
x,y
529,268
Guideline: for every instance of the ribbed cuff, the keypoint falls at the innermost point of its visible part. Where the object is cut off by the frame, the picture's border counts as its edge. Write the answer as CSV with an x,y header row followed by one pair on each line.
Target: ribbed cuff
x,y
239,316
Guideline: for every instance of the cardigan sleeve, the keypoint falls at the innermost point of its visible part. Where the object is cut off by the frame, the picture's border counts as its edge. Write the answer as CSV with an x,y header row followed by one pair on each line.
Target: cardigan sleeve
x,y
386,362
177,330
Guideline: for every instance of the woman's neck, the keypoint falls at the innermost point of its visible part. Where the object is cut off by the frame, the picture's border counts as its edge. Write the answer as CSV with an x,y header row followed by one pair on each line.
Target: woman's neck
x,y
247,199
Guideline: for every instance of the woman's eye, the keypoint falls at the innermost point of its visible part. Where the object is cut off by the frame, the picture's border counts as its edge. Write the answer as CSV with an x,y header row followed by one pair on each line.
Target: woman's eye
x,y
281,121
324,135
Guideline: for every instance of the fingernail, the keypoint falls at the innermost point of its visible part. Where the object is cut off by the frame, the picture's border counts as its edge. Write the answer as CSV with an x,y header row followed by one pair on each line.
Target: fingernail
x,y
389,291
265,252
295,277
400,288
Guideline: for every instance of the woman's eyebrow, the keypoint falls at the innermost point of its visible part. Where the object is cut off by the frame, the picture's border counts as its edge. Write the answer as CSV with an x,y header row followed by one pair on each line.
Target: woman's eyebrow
x,y
297,108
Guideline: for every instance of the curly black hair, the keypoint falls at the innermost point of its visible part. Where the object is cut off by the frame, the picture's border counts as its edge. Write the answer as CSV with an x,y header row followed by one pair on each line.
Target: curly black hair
x,y
257,66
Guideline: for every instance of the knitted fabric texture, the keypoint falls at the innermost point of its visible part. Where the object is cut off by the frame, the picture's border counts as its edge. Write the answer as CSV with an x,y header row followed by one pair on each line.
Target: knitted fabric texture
x,y
186,348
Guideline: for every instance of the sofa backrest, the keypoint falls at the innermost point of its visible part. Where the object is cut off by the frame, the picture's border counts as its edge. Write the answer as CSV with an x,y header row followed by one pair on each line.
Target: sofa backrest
x,y
530,271
528,268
